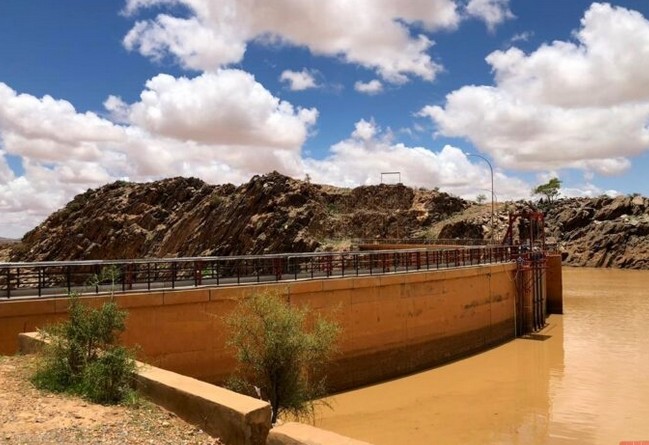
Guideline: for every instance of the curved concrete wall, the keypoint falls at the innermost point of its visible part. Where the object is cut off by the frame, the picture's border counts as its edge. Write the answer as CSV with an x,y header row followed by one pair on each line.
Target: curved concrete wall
x,y
392,324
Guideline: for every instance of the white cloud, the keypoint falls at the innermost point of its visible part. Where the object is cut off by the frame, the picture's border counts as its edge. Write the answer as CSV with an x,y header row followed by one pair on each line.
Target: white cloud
x,y
608,64
369,151
298,80
492,12
227,107
155,143
372,87
533,136
586,190
6,173
117,108
189,41
364,131
582,104
26,200
51,129
61,150
222,126
216,33
151,156
521,37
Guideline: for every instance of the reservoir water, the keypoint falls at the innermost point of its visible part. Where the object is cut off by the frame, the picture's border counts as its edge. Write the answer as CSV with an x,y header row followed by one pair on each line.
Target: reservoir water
x,y
585,380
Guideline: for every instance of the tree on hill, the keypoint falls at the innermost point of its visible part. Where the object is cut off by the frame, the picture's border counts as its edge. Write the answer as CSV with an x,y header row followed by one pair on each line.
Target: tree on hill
x,y
550,189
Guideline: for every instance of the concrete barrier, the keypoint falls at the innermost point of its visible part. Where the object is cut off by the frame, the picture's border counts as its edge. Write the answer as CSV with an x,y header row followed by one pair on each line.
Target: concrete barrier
x,y
300,434
232,417
400,323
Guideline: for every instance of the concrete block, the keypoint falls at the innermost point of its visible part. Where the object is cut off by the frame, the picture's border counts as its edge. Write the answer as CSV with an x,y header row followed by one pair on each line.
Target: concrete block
x,y
300,434
365,294
29,343
337,284
127,301
234,418
389,280
11,327
27,307
303,287
186,296
361,282
236,293
62,304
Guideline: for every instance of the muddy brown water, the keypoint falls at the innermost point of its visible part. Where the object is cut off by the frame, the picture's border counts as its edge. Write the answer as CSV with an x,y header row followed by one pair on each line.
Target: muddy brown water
x,y
586,381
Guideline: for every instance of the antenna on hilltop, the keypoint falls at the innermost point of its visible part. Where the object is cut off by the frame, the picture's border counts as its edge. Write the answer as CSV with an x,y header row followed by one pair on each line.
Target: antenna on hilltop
x,y
389,174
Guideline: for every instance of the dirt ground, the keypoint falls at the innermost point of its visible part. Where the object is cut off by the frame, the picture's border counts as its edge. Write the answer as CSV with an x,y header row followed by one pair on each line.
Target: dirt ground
x,y
31,417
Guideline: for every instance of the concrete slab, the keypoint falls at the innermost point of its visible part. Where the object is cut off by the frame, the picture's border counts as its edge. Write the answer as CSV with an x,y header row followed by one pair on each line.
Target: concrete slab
x,y
300,434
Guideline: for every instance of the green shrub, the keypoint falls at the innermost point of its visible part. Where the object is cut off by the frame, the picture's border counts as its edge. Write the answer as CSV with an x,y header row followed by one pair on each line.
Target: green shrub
x,y
81,355
282,353
109,378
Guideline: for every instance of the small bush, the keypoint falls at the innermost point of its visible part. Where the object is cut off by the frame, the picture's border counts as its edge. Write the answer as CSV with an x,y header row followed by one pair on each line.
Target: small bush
x,y
81,355
109,378
282,353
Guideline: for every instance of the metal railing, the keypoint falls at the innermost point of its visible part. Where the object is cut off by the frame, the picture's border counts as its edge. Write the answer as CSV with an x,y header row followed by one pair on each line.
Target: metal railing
x,y
59,278
475,242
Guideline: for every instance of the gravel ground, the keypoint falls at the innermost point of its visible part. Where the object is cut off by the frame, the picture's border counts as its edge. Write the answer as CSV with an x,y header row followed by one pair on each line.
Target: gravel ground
x,y
33,417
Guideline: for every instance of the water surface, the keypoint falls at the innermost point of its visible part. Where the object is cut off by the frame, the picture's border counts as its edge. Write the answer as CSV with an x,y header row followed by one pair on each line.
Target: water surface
x,y
587,383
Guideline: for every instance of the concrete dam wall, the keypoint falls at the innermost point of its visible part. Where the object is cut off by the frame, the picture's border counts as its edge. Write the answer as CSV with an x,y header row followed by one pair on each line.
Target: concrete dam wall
x,y
392,324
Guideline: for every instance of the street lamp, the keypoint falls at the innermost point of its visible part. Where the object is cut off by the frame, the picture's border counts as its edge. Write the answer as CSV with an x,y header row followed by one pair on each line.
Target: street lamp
x,y
492,190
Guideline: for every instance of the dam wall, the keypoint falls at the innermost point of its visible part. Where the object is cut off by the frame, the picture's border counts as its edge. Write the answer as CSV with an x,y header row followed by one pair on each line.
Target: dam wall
x,y
392,324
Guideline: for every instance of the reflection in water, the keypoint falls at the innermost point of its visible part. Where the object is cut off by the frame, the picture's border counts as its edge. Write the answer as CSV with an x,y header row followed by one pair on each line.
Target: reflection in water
x,y
585,384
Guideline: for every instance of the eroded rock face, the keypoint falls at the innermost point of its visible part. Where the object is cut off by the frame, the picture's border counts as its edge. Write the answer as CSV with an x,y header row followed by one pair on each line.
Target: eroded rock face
x,y
274,213
602,232
187,217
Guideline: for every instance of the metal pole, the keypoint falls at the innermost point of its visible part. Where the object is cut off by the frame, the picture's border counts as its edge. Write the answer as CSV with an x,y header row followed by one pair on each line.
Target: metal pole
x,y
491,170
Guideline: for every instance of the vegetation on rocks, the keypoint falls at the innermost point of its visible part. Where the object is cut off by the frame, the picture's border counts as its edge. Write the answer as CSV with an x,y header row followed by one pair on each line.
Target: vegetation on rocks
x,y
550,190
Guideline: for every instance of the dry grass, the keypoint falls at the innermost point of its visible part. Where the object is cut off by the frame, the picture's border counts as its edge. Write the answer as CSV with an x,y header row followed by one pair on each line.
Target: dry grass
x,y
30,416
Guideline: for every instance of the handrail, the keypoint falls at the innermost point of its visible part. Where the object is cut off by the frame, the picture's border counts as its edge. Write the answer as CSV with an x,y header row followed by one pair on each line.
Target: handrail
x,y
440,241
185,259
59,278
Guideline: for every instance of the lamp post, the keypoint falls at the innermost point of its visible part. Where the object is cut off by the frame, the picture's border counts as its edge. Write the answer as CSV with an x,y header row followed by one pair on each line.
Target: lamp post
x,y
492,190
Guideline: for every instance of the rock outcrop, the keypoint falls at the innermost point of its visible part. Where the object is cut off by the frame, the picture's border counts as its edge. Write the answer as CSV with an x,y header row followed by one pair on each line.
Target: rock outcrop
x,y
274,213
269,214
602,232
6,246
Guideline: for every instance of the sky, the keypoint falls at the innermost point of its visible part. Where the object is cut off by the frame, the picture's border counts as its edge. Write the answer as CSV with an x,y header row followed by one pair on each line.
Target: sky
x,y
335,91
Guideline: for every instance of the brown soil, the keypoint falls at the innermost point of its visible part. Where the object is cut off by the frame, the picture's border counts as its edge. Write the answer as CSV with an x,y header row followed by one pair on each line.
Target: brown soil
x,y
30,416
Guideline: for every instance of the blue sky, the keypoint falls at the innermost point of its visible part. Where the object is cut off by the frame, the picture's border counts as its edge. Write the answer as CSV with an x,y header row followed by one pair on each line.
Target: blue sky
x,y
92,92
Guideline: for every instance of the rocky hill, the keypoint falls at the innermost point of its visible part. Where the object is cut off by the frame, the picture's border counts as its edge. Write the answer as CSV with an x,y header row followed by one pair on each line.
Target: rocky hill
x,y
187,217
274,213
602,232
